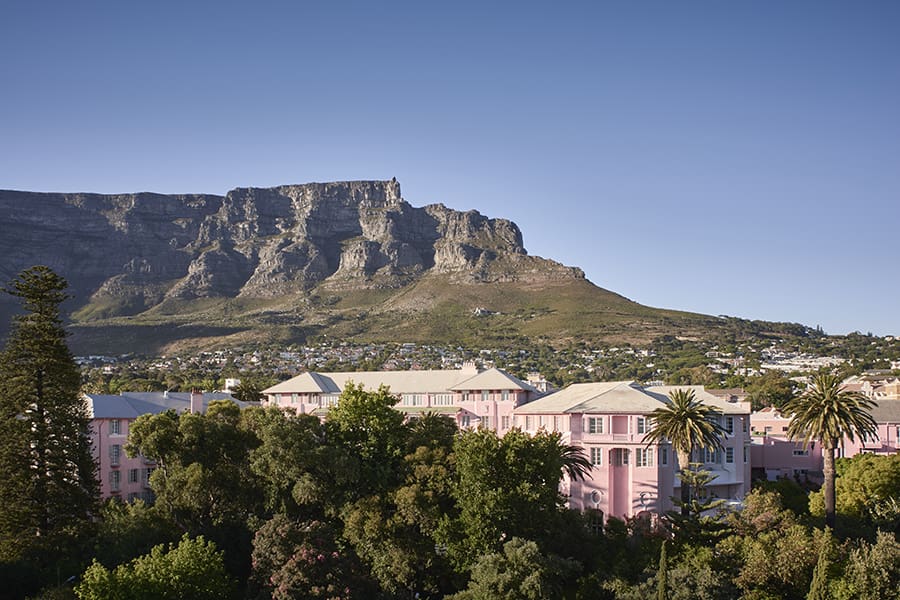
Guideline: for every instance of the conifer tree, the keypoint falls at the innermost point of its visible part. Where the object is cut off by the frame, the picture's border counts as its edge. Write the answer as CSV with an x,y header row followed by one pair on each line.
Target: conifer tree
x,y
48,484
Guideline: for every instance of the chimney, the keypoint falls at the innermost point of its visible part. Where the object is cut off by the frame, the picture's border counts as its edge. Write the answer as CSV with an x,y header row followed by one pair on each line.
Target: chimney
x,y
196,402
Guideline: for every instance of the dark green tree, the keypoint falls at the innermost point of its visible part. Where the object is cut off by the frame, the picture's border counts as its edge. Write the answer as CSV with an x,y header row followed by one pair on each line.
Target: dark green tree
x,y
48,485
688,425
662,585
192,569
828,413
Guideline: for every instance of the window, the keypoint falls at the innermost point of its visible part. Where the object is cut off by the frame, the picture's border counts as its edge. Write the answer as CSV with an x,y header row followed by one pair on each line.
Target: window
x,y
801,451
711,456
504,395
115,454
664,456
529,423
641,425
464,421
556,420
620,457
115,480
595,425
147,473
746,453
443,399
132,475
485,396
596,456
643,457
729,424
744,424
486,422
294,398
729,455
505,422
115,427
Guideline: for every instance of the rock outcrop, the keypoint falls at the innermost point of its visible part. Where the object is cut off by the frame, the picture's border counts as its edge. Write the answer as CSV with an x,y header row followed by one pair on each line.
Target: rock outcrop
x,y
130,252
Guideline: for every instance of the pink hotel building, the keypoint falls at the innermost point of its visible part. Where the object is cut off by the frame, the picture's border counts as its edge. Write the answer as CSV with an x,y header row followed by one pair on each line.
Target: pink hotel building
x,y
608,420
111,418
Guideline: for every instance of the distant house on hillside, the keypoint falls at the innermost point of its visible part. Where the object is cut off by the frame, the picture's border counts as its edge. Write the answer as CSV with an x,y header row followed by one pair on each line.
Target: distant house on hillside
x,y
111,418
473,398
609,421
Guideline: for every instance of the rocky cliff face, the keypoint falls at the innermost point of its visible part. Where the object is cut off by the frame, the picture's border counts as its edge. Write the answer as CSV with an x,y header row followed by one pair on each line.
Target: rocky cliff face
x,y
130,252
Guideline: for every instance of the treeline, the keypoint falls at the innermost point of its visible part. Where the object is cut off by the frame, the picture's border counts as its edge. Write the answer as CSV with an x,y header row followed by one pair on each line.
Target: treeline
x,y
264,504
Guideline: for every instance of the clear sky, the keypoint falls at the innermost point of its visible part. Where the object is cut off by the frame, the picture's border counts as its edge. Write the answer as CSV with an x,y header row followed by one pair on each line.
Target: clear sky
x,y
738,158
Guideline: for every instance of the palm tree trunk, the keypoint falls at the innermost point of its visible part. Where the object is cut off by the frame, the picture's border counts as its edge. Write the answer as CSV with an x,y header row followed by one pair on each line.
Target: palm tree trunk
x,y
684,463
830,499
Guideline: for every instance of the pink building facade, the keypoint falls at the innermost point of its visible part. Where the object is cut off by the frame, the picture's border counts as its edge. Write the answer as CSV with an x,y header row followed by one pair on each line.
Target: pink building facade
x,y
473,398
111,419
609,422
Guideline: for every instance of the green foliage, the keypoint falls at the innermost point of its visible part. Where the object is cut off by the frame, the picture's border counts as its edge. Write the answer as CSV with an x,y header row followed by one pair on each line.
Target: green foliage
x,y
872,571
48,486
828,413
365,424
770,389
506,487
294,559
824,570
520,572
127,530
192,569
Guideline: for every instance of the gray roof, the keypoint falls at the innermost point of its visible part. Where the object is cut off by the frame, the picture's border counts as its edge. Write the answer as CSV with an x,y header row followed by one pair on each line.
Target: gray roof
x,y
886,411
131,405
618,397
401,382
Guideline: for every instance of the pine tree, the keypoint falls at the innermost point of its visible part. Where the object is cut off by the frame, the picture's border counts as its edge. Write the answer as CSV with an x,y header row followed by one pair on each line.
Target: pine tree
x,y
662,576
48,484
818,588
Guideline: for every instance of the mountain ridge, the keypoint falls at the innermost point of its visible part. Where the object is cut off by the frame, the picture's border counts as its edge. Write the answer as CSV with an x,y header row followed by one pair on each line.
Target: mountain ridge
x,y
288,262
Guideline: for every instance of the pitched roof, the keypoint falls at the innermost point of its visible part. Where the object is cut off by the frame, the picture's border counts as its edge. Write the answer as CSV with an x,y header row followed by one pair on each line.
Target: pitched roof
x,y
886,411
400,382
720,404
131,405
618,397
493,379
606,397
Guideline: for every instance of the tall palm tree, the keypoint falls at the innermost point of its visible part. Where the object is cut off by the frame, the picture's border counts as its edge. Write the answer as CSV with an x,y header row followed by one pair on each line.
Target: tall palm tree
x,y
829,413
687,424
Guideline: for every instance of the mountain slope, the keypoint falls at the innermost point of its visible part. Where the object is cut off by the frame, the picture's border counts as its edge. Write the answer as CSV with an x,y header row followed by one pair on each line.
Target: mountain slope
x,y
150,272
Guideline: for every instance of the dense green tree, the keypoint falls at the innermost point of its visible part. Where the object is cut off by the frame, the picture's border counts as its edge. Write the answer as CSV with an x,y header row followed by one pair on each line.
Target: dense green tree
x,y
192,569
770,389
688,425
127,530
508,487
828,413
662,574
204,482
819,588
864,484
293,559
48,486
366,424
520,572
872,571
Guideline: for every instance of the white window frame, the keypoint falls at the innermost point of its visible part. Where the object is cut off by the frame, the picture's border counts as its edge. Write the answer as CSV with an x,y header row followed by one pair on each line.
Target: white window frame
x,y
115,480
729,455
115,427
643,457
596,456
641,424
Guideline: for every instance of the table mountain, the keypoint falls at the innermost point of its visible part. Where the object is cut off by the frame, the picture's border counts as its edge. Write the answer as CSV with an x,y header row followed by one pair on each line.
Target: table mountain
x,y
284,263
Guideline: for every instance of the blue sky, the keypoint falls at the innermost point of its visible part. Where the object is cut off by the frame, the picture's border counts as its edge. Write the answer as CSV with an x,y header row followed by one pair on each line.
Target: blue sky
x,y
737,158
